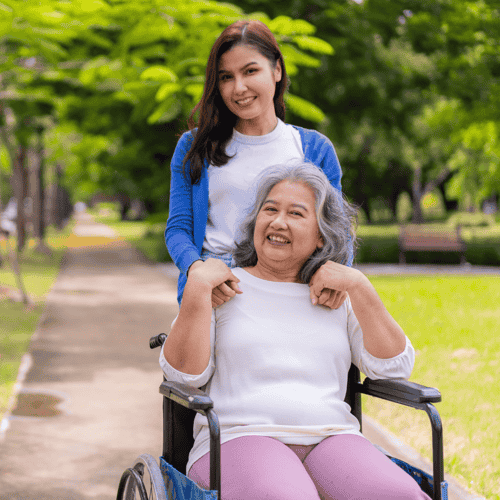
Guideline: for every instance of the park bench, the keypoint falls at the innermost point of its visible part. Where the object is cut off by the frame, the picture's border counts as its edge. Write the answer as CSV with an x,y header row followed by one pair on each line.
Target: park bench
x,y
420,238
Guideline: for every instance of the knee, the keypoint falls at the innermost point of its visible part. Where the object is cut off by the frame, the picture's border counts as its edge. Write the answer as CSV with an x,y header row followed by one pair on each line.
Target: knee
x,y
411,491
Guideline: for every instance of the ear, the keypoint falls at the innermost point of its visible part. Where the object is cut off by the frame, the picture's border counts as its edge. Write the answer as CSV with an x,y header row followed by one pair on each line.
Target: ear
x,y
321,242
278,72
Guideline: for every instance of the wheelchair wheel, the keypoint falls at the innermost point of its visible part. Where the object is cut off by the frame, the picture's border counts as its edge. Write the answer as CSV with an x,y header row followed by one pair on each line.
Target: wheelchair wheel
x,y
142,481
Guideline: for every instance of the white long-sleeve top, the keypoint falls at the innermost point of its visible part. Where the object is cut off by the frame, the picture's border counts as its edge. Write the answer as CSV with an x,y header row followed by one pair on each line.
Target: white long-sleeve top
x,y
279,365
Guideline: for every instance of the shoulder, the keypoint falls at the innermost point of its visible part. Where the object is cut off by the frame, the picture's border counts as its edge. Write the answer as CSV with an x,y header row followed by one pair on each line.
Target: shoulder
x,y
182,148
186,140
312,137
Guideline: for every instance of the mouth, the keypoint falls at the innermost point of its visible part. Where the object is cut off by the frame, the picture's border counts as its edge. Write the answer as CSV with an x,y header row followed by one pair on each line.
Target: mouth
x,y
278,239
245,102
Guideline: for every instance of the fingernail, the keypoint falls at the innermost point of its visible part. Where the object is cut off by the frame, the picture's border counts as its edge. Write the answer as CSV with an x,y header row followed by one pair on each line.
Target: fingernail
x,y
314,300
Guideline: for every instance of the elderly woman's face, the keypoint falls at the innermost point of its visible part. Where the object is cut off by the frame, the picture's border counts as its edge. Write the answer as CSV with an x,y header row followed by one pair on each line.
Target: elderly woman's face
x,y
286,230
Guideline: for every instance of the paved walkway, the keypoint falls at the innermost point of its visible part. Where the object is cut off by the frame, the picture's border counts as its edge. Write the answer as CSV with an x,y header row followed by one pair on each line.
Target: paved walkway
x,y
89,403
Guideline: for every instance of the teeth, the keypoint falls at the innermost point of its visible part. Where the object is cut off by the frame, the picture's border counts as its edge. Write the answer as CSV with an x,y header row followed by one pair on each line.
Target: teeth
x,y
277,239
245,101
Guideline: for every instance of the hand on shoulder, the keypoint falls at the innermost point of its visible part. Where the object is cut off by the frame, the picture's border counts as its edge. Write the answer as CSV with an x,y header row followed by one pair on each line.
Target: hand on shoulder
x,y
212,272
332,282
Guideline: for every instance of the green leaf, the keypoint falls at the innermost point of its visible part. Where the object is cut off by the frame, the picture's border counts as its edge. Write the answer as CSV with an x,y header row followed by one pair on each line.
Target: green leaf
x,y
195,90
159,74
286,26
314,44
294,56
304,109
166,111
166,90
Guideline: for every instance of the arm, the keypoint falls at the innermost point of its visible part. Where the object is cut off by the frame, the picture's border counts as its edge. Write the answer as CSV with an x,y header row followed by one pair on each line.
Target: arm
x,y
180,230
187,348
383,338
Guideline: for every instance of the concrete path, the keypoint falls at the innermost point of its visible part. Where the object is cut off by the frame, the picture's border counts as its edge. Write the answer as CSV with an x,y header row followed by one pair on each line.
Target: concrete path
x,y
88,402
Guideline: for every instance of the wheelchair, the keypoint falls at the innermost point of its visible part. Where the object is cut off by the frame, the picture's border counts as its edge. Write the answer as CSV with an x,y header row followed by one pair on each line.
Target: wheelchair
x,y
148,480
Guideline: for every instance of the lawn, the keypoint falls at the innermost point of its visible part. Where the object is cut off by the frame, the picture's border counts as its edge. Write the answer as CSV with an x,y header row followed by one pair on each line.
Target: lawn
x,y
454,325
19,322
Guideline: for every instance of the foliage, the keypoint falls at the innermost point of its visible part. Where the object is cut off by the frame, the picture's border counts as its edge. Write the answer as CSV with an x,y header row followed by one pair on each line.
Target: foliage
x,y
119,78
410,93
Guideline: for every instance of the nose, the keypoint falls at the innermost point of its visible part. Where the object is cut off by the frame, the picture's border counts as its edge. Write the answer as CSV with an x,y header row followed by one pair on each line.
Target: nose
x,y
239,85
279,222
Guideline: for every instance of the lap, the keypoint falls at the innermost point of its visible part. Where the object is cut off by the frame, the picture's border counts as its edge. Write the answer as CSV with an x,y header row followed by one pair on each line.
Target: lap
x,y
257,467
340,467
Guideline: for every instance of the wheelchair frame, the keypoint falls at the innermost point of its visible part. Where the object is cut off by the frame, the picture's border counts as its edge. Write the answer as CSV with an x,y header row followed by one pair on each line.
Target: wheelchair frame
x,y
180,402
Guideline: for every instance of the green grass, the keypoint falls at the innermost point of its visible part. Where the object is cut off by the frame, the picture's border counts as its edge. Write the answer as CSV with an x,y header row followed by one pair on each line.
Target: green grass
x,y
18,321
454,325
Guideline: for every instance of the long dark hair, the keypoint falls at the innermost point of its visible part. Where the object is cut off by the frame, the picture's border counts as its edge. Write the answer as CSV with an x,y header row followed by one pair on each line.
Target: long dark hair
x,y
216,122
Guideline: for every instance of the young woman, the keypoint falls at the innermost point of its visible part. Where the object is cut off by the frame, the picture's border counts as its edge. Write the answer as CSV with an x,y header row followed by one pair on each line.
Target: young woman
x,y
241,132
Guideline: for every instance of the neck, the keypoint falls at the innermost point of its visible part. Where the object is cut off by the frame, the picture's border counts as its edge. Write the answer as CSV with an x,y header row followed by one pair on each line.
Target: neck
x,y
257,126
268,273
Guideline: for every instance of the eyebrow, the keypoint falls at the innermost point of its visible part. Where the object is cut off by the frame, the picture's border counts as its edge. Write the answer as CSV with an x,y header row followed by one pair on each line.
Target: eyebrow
x,y
244,67
297,205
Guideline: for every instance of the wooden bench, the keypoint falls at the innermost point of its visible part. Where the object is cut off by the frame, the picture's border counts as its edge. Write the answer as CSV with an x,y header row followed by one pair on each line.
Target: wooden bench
x,y
415,237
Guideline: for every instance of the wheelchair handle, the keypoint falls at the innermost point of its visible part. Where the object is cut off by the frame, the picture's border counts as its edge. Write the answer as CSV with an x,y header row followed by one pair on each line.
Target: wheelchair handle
x,y
157,341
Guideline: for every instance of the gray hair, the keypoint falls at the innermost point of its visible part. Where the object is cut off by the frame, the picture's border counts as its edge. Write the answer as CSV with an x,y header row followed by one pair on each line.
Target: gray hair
x,y
336,217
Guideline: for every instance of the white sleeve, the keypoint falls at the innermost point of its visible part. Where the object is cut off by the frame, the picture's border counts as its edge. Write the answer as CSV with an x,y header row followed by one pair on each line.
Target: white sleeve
x,y
200,380
399,366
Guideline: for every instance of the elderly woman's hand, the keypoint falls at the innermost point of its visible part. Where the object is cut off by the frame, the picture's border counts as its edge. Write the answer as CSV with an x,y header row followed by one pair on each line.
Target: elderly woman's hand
x,y
219,276
330,283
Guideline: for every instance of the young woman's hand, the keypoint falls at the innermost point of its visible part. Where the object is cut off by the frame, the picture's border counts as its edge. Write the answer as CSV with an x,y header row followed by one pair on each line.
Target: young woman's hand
x,y
219,276
330,283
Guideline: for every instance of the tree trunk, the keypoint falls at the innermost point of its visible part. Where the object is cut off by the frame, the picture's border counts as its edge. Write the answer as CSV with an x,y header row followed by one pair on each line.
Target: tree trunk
x,y
39,198
416,191
20,185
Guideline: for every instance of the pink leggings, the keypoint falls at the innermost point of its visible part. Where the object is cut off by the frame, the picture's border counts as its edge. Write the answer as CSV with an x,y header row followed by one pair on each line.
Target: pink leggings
x,y
340,467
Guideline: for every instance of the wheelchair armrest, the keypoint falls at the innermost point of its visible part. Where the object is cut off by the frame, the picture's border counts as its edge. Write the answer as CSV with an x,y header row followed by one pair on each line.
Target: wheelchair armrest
x,y
400,391
185,395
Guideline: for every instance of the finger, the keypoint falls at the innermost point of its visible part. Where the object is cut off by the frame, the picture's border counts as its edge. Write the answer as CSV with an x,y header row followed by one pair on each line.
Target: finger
x,y
216,301
326,295
339,300
336,300
226,290
233,285
332,300
216,293
312,294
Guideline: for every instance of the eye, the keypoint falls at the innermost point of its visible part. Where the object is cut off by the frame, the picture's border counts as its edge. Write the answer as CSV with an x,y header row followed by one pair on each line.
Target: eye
x,y
224,77
251,70
269,208
295,212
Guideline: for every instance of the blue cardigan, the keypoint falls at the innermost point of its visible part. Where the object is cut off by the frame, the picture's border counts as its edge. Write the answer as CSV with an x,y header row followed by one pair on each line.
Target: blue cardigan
x,y
188,214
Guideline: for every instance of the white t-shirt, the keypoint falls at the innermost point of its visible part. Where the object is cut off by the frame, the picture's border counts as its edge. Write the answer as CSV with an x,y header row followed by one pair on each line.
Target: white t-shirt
x,y
230,187
279,366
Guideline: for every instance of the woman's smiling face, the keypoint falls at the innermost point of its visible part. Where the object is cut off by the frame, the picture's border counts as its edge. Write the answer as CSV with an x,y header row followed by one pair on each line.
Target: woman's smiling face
x,y
286,230
247,84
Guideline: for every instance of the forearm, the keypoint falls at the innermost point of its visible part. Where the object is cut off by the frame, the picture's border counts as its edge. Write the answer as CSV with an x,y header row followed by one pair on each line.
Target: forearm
x,y
382,336
187,348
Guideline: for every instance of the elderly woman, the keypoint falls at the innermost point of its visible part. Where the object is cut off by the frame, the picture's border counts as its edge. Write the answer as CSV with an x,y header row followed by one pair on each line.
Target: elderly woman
x,y
276,363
